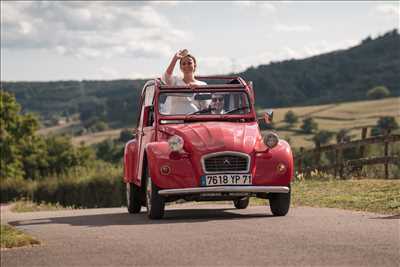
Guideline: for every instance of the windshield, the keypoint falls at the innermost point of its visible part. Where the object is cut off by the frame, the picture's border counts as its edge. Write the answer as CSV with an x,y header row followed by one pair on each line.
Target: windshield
x,y
203,103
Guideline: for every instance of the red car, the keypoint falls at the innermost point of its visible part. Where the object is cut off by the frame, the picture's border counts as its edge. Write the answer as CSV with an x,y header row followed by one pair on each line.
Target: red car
x,y
202,144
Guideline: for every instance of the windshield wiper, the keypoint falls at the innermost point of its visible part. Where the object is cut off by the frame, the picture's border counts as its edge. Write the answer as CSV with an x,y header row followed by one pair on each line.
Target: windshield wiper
x,y
237,109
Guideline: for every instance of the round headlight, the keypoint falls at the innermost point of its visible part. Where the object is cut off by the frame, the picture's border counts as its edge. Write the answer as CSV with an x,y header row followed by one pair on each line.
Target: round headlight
x,y
175,143
271,140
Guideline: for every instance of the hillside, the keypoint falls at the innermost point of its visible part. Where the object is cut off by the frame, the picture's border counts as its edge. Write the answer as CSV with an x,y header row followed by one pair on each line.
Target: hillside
x,y
332,117
339,76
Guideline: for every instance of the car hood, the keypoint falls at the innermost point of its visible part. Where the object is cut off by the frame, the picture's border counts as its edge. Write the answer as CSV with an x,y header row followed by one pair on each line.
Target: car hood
x,y
207,137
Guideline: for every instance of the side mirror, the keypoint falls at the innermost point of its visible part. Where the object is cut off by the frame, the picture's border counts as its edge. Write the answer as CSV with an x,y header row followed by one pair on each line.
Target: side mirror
x,y
268,116
148,116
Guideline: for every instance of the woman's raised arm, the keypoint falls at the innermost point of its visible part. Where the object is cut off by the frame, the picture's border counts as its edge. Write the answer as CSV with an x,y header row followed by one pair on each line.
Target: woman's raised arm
x,y
170,70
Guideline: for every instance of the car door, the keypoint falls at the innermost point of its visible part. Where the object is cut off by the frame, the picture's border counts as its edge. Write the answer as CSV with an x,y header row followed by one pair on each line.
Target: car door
x,y
145,132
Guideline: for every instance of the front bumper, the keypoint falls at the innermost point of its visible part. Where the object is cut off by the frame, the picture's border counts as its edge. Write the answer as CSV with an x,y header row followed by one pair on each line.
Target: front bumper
x,y
224,189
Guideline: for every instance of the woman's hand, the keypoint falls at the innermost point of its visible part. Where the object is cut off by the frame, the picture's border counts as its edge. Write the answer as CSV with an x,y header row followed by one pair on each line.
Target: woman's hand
x,y
192,86
181,53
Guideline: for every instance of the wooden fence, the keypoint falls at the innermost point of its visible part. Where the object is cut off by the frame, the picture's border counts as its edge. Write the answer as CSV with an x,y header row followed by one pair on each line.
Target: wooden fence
x,y
340,163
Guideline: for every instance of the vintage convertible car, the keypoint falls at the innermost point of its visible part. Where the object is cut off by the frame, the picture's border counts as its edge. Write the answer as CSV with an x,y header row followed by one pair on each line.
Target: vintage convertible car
x,y
202,144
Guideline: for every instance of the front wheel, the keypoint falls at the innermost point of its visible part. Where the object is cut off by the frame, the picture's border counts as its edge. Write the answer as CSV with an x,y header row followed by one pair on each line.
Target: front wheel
x,y
279,203
154,202
241,203
133,198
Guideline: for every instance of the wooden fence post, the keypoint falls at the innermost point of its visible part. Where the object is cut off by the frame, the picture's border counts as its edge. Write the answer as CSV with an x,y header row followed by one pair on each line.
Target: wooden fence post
x,y
387,154
317,154
339,156
363,136
364,131
336,161
300,160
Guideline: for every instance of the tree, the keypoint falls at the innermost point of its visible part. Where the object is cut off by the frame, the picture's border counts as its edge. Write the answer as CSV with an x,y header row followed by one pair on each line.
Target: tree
x,y
110,151
322,137
27,155
16,132
387,123
343,136
378,92
125,135
309,125
291,118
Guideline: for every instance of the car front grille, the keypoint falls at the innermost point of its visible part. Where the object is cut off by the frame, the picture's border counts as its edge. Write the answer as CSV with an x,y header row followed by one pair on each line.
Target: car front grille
x,y
226,163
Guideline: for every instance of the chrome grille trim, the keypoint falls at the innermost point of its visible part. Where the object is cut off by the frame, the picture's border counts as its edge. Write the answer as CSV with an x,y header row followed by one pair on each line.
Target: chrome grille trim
x,y
245,168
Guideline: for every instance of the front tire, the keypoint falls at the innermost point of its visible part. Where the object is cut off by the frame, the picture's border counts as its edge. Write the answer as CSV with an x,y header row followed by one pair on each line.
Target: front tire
x,y
279,203
133,198
154,202
241,203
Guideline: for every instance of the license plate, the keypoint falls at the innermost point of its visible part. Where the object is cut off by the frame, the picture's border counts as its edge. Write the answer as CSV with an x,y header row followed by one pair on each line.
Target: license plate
x,y
225,179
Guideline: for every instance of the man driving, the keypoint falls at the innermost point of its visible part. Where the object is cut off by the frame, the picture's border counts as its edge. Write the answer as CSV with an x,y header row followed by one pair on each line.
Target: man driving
x,y
217,104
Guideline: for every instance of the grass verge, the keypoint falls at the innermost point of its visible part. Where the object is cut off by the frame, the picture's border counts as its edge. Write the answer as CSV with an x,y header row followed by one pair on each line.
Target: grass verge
x,y
11,237
371,195
29,206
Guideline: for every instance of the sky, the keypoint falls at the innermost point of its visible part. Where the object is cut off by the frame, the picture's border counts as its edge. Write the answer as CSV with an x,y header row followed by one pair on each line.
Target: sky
x,y
106,40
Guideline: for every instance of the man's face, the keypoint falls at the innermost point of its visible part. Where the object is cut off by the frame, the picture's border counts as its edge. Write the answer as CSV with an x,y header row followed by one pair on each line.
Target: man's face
x,y
217,103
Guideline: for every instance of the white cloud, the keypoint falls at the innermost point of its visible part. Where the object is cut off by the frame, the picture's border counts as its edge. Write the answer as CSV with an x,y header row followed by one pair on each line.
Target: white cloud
x,y
215,65
292,28
89,29
267,6
324,46
288,52
389,9
167,3
108,73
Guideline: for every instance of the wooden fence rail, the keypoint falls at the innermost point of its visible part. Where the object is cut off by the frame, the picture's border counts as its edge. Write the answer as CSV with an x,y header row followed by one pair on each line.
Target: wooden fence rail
x,y
341,163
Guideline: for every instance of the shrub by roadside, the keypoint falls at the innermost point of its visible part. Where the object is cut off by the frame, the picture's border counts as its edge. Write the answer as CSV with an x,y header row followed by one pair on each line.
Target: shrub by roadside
x,y
11,237
101,186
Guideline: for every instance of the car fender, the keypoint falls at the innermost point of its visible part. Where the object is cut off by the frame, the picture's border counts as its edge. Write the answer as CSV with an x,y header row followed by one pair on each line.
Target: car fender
x,y
130,161
267,162
181,172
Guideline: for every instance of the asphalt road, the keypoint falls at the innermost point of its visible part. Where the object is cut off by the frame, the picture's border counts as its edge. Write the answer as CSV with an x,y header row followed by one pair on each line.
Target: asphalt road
x,y
206,235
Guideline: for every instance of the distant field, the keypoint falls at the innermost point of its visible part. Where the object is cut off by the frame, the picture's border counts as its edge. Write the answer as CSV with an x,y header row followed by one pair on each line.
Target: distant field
x,y
94,138
332,117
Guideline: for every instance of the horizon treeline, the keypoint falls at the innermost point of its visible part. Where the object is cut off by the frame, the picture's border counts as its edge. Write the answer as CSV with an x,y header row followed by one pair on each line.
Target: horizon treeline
x,y
339,76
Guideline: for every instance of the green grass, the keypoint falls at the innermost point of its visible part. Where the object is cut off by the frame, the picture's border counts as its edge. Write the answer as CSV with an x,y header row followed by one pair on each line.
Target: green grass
x,y
371,195
11,237
29,206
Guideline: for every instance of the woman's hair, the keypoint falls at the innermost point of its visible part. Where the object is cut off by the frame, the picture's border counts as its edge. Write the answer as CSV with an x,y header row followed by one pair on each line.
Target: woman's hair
x,y
188,55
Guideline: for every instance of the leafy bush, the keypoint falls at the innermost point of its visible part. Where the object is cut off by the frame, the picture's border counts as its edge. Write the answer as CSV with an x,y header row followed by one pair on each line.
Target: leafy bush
x,y
100,186
387,123
378,92
309,125
125,135
110,151
14,188
99,126
291,117
30,156
322,137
